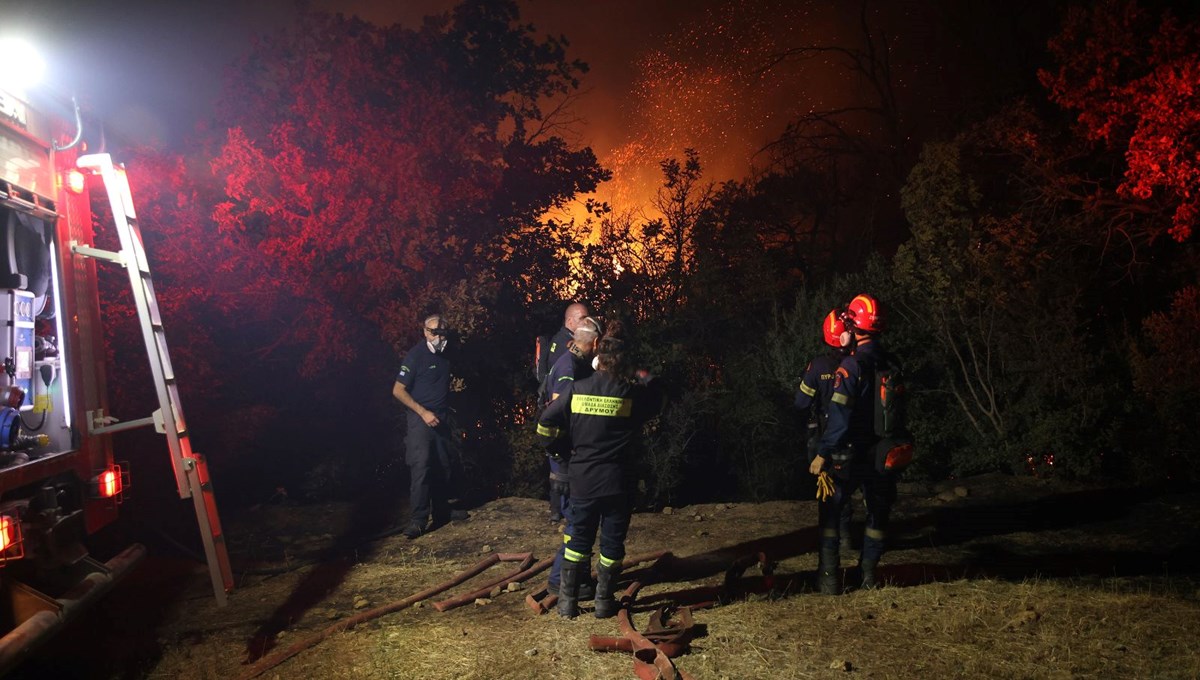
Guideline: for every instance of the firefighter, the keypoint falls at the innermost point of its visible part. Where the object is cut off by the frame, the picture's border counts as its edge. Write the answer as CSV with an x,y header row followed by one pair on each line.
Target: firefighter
x,y
599,416
576,364
816,388
846,448
561,340
560,344
423,387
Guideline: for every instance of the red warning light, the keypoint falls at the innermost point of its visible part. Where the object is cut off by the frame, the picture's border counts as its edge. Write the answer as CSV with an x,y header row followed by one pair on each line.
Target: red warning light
x,y
108,483
11,546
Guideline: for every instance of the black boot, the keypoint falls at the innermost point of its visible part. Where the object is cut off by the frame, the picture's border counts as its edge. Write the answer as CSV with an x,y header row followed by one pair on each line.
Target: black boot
x,y
568,589
606,580
827,570
868,575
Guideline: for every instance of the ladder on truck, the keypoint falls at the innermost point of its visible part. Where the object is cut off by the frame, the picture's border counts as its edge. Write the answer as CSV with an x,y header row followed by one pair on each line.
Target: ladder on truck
x,y
191,469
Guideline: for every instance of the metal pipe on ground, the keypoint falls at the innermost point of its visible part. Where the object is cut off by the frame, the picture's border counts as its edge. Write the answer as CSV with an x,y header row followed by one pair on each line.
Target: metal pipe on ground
x,y
268,662
486,589
649,662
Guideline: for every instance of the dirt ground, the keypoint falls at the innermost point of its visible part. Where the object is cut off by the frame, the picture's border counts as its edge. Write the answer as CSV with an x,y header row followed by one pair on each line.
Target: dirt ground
x,y
992,576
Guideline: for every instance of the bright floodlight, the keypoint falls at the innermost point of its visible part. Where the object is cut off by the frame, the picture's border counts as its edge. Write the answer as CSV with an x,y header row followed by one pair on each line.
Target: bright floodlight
x,y
20,65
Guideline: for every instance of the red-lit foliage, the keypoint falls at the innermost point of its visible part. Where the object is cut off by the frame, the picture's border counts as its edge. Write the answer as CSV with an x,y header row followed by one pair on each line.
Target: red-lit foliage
x,y
1167,377
369,170
1139,96
354,177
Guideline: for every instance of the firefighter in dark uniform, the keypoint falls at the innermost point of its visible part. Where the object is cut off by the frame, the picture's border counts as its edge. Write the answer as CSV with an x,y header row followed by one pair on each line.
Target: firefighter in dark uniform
x,y
576,364
561,340
599,415
560,344
423,387
846,449
816,389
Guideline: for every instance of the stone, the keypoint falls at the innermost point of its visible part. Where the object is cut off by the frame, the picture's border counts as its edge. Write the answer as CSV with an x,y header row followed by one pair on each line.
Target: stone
x,y
514,586
668,510
913,488
961,491
486,549
841,665
482,601
495,592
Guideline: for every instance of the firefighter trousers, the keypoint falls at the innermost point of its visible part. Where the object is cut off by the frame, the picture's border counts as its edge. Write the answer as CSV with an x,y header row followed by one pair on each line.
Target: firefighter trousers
x,y
610,516
879,492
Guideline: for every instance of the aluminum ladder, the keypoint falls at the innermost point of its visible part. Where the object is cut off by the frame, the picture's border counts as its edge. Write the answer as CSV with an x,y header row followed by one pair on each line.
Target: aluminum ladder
x,y
191,470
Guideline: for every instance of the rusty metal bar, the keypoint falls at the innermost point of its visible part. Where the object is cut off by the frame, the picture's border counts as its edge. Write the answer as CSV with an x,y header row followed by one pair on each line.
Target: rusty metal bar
x,y
268,662
486,589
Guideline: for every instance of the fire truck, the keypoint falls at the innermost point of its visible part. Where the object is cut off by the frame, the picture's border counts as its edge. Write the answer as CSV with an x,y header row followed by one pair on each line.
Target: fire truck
x,y
59,478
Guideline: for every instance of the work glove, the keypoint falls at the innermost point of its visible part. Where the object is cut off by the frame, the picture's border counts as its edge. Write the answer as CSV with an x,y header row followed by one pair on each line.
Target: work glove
x,y
825,486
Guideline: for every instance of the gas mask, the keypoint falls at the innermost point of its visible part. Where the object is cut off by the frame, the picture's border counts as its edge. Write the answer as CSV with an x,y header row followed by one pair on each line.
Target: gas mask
x,y
439,344
595,363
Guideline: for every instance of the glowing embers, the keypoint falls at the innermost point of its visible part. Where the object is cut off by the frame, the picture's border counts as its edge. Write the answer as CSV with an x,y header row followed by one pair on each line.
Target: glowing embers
x,y
12,543
110,483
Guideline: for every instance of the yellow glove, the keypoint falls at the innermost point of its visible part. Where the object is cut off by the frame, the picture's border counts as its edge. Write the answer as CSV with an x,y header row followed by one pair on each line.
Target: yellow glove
x,y
825,487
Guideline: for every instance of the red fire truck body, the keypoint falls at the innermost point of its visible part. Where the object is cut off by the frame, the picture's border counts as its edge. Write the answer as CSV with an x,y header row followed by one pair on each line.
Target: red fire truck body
x,y
58,479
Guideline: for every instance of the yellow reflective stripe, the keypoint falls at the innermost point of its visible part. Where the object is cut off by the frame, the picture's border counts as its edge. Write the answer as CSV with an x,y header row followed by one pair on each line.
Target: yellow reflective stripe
x,y
566,538
605,562
830,533
876,534
843,399
572,556
808,390
594,405
547,431
566,377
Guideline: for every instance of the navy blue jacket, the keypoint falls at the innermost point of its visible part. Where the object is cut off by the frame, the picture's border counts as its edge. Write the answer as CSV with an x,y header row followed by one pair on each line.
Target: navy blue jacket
x,y
851,422
816,387
558,344
600,415
426,376
566,370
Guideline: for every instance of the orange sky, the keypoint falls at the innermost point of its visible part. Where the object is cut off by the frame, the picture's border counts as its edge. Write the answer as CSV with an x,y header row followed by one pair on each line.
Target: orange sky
x,y
664,75
667,76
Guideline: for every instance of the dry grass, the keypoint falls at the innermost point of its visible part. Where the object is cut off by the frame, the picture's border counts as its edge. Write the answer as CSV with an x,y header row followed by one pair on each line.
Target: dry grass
x,y
1034,628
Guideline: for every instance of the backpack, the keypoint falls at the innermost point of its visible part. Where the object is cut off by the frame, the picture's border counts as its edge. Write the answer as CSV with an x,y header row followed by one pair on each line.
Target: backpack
x,y
894,450
541,357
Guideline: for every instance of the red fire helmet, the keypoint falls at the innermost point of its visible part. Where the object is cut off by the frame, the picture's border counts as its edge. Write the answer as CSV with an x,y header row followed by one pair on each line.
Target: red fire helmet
x,y
866,314
835,330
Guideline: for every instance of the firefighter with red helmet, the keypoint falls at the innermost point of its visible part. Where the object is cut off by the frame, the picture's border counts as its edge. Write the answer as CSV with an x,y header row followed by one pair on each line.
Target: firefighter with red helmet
x,y
816,389
816,386
846,450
